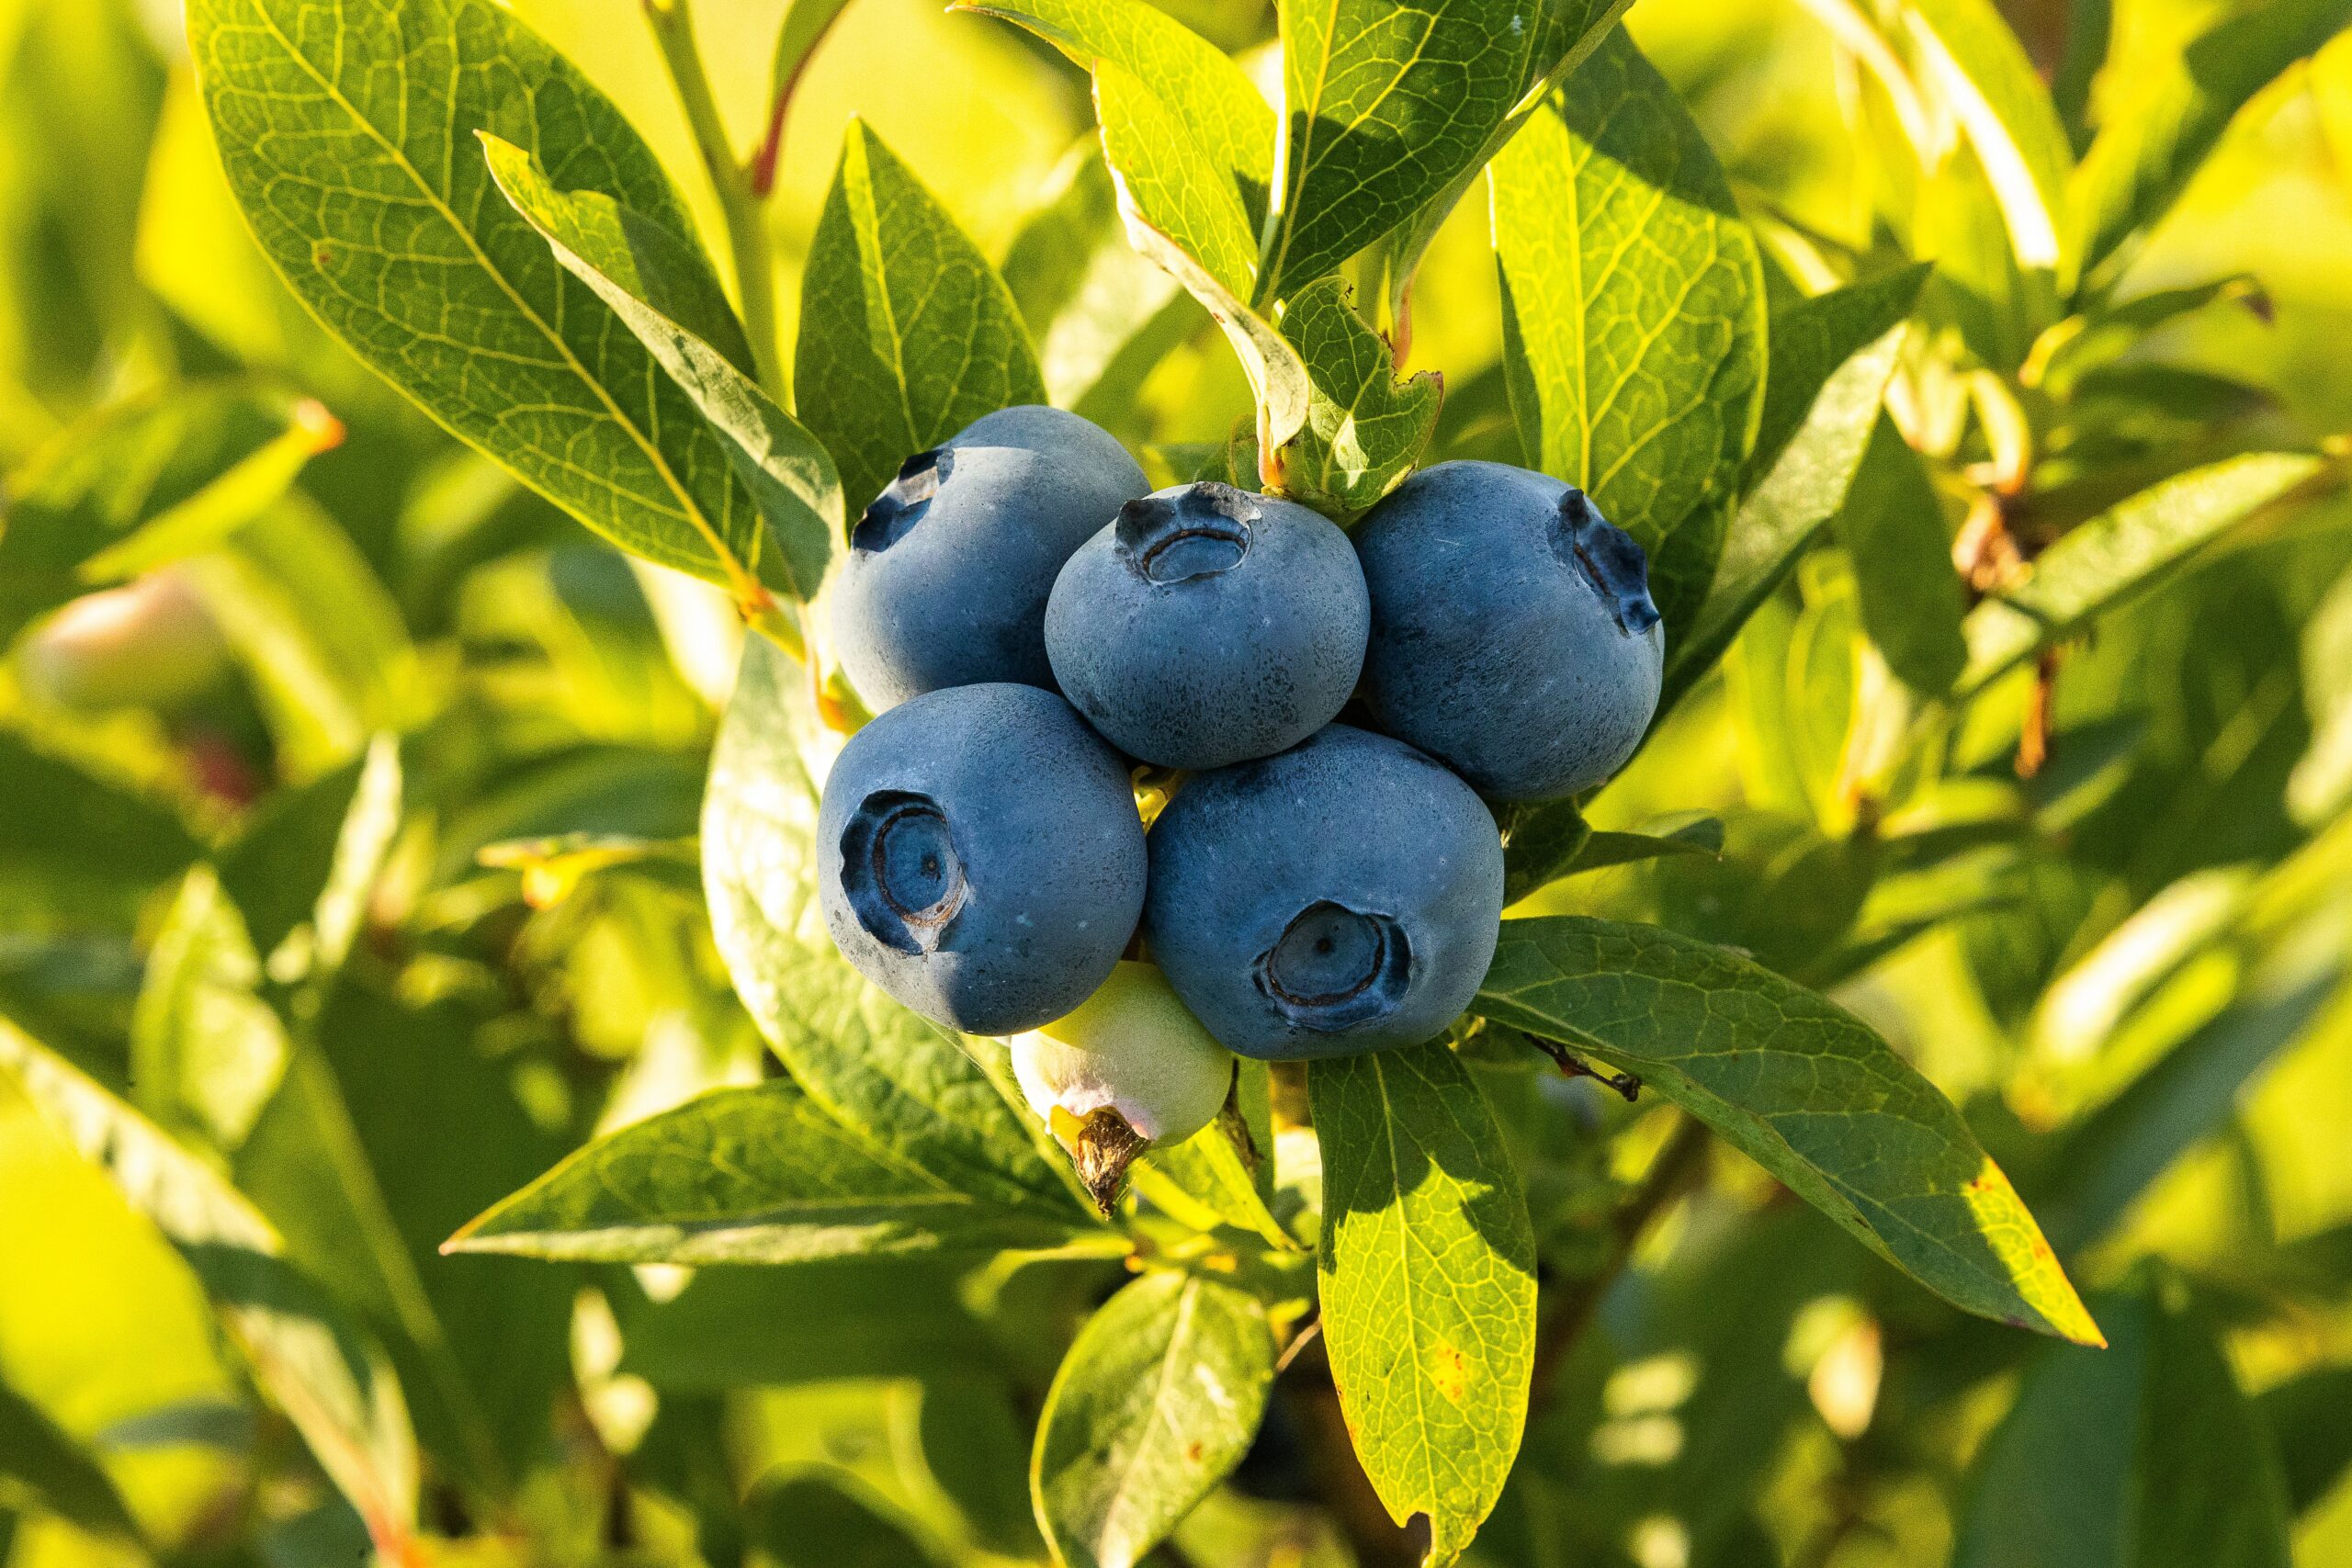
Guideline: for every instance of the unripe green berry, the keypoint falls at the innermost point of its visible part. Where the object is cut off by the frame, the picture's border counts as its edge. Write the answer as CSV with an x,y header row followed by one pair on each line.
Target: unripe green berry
x,y
1129,1068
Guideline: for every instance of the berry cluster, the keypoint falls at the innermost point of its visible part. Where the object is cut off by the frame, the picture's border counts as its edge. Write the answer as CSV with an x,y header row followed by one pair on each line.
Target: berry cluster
x,y
1033,625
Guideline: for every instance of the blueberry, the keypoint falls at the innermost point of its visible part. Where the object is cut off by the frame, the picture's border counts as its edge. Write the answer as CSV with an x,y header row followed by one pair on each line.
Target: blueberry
x,y
1514,637
981,856
949,569
1208,625
1128,1069
1340,898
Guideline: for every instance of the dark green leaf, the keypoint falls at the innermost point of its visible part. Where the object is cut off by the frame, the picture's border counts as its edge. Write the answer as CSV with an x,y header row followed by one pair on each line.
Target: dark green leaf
x,y
907,334
348,133
2120,553
743,1176
88,830
1387,105
907,1088
663,290
58,1473
2145,1455
828,1519
1831,357
1157,1400
1540,844
1894,531
1802,1086
1643,384
1428,1275
2306,1416
1567,32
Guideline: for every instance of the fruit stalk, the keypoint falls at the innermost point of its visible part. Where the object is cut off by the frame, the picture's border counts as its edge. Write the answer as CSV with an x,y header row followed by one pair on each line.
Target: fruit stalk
x,y
732,178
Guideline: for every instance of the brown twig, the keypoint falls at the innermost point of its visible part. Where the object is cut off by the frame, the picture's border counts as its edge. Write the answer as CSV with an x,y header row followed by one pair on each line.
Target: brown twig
x,y
1627,1085
1559,1329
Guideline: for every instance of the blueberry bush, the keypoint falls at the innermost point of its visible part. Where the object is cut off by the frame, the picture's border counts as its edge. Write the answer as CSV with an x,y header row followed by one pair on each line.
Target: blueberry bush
x,y
1096,782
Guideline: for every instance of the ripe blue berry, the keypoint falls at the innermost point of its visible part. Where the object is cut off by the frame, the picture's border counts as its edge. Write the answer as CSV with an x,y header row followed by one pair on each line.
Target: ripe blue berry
x,y
981,856
949,570
1341,896
1514,637
1208,626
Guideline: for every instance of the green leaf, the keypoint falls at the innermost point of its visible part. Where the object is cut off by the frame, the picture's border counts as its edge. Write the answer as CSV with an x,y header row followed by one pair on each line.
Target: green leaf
x,y
302,870
206,1050
1104,315
1969,52
1893,528
145,483
1218,111
907,1088
348,131
1427,1276
2101,1165
2119,554
1702,834
1568,31
743,1176
2321,781
2146,1455
1832,356
1193,224
827,1518
2314,1441
2167,112
1387,105
89,832
1365,429
1803,1087
1157,1400
314,1363
1207,1180
907,334
663,290
61,1476
1633,314
318,636
1540,843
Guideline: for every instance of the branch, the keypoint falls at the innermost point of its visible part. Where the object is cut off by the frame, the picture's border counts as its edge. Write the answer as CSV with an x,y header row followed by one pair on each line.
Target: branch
x,y
739,202
1557,1333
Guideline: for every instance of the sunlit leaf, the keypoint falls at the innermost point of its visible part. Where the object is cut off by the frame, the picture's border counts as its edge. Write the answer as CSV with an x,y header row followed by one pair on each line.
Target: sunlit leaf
x,y
1428,1273
2119,554
1157,1400
348,134
663,290
1803,1087
1365,429
1640,381
907,333
2170,108
743,1176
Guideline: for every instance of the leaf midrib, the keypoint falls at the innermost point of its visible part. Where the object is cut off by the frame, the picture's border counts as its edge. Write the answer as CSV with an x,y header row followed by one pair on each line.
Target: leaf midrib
x,y
689,509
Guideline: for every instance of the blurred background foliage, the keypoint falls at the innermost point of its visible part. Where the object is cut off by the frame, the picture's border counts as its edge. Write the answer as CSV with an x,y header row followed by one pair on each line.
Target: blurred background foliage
x,y
351,849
